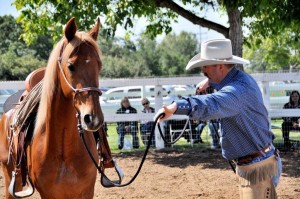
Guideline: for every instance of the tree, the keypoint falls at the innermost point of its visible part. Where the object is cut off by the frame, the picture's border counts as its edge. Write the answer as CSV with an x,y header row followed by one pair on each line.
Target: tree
x,y
17,60
13,67
268,17
10,31
272,18
146,57
10,36
119,58
175,52
276,53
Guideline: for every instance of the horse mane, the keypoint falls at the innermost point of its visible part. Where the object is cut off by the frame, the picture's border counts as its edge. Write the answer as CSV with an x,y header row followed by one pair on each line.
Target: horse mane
x,y
51,87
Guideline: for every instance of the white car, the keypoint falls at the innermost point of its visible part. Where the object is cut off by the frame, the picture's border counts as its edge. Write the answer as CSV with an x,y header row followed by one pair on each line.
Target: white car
x,y
4,94
110,101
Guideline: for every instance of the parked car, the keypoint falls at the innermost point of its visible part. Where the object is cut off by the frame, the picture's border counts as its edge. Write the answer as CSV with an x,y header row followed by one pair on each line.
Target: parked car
x,y
110,100
4,94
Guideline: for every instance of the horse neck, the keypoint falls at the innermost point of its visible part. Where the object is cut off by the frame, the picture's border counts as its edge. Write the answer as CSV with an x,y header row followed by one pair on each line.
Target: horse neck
x,y
61,126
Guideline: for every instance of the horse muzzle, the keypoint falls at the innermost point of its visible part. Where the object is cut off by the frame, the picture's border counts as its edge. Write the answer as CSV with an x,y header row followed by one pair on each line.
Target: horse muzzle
x,y
91,122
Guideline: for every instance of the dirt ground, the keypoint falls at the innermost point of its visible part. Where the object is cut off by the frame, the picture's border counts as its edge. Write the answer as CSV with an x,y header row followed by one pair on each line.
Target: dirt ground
x,y
187,173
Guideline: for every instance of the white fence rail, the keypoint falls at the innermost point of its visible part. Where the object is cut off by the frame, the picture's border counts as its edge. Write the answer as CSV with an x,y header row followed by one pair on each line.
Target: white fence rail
x,y
263,80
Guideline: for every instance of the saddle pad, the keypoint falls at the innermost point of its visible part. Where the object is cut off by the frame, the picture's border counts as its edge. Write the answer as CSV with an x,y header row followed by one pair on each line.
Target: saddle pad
x,y
12,101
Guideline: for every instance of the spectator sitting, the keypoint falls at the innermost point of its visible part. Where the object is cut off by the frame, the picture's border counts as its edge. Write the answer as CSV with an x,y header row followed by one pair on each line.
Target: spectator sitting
x,y
290,123
146,126
128,126
198,131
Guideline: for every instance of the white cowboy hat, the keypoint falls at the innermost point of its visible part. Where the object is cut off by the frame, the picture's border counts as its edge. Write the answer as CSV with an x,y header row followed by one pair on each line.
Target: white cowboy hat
x,y
213,52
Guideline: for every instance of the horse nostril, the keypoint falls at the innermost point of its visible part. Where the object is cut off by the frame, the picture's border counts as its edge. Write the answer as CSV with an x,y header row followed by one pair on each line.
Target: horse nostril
x,y
87,119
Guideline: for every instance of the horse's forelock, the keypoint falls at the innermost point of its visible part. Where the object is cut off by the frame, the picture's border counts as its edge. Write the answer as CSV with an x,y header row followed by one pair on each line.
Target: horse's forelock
x,y
88,38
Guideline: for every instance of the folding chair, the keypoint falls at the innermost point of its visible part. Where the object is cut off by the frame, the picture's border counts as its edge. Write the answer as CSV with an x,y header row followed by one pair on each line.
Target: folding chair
x,y
176,127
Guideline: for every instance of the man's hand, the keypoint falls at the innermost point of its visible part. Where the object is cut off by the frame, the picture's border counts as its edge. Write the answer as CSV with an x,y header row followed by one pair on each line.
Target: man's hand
x,y
167,110
295,125
202,86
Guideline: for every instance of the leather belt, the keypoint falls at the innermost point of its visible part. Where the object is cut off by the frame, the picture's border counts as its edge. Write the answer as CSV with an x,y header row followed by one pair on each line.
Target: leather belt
x,y
248,158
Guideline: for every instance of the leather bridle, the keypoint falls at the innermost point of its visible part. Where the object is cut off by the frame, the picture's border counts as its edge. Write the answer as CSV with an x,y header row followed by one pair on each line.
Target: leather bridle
x,y
76,90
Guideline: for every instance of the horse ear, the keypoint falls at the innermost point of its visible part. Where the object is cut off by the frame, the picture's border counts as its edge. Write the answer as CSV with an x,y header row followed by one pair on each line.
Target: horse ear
x,y
95,30
70,29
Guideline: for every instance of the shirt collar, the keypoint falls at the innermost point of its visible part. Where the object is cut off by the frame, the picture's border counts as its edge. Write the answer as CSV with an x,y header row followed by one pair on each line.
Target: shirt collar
x,y
228,78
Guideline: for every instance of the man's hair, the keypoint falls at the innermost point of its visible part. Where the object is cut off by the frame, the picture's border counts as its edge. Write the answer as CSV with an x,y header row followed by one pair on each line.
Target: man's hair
x,y
230,65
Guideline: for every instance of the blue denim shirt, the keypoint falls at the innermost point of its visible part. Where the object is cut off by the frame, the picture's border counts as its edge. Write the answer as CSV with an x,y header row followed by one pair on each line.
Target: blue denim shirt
x,y
243,117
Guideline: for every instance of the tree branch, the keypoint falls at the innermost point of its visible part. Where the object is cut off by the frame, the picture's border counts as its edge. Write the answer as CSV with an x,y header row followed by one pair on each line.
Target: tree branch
x,y
192,17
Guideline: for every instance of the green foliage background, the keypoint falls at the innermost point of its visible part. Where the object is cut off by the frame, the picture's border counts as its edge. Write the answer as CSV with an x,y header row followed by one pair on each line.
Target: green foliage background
x,y
142,57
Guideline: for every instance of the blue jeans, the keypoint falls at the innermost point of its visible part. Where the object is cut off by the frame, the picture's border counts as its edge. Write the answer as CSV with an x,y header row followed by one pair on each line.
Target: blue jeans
x,y
199,130
276,178
132,131
213,128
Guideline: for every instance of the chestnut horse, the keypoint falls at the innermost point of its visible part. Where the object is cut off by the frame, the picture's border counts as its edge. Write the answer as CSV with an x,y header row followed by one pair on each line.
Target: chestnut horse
x,y
58,164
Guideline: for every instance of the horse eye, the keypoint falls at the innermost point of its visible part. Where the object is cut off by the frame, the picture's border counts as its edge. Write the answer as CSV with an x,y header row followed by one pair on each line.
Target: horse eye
x,y
71,67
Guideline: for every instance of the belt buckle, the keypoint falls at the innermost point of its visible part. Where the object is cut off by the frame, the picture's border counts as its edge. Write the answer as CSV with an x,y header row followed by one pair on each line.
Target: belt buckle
x,y
268,149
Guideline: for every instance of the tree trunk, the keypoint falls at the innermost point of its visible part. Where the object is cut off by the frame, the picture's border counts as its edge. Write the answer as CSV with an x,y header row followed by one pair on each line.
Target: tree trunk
x,y
236,33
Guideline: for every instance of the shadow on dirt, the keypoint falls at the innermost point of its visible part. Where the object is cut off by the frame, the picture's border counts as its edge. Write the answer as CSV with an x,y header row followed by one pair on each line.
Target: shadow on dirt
x,y
205,158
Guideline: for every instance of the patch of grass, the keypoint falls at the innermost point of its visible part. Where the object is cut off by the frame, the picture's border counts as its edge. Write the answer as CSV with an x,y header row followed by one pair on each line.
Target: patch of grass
x,y
182,143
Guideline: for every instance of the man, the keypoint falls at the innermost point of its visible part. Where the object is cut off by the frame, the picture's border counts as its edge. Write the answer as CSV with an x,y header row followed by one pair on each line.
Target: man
x,y
245,137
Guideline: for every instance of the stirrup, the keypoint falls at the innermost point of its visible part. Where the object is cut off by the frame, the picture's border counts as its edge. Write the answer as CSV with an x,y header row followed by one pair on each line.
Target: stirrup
x,y
112,183
21,194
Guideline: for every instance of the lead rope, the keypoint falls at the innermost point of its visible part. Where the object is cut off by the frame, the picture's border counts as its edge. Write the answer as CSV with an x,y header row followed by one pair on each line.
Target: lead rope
x,y
113,183
116,184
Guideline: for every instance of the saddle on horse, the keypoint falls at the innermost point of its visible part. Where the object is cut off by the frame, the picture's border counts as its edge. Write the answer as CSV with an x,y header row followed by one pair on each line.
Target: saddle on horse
x,y
21,109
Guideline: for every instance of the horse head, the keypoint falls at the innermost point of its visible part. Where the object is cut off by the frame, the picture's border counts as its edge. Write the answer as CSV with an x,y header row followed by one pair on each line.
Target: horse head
x,y
79,65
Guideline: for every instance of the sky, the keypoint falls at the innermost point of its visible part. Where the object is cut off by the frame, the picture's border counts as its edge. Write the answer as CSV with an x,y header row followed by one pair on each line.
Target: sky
x,y
183,25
